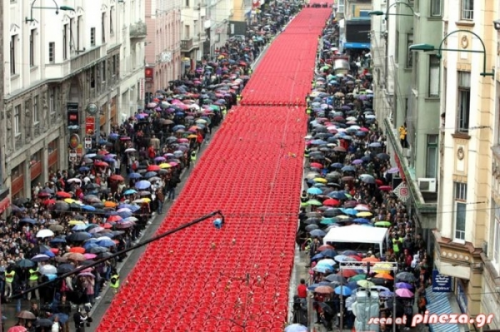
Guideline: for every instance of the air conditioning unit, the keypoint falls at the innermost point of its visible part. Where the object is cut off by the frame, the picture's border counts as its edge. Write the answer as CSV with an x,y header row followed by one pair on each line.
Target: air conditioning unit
x,y
485,248
427,185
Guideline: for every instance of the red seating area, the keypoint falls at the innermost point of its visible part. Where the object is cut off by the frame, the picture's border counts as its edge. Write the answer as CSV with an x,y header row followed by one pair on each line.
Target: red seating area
x,y
284,75
236,278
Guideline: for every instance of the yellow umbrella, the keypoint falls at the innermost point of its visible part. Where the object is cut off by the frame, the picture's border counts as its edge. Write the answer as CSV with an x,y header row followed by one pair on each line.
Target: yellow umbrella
x,y
365,284
364,214
192,136
70,200
146,200
382,268
76,222
340,217
165,165
320,180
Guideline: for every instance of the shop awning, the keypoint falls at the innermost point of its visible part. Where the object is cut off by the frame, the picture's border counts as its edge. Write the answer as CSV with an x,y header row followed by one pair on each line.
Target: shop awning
x,y
356,45
438,303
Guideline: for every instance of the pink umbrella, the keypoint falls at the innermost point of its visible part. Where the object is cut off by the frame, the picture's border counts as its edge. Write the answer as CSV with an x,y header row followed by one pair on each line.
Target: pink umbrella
x,y
89,256
405,293
17,329
97,229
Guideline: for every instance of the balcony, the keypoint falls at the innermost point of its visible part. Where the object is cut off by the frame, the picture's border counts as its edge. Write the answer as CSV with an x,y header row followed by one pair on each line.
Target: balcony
x,y
138,30
187,45
85,59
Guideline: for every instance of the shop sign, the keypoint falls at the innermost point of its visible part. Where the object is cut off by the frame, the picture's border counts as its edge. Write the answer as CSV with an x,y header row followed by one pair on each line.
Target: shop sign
x,y
440,283
89,125
74,141
461,297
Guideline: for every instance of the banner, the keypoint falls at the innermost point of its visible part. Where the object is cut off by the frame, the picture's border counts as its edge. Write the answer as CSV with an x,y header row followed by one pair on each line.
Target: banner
x,y
440,283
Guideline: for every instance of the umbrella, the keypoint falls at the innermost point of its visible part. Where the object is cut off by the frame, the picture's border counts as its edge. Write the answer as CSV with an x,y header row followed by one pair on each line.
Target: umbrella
x,y
24,263
405,276
313,202
365,283
296,328
40,258
323,290
17,329
142,185
78,237
404,293
65,268
403,285
25,314
386,294
43,233
48,269
317,233
314,191
43,322
345,291
335,278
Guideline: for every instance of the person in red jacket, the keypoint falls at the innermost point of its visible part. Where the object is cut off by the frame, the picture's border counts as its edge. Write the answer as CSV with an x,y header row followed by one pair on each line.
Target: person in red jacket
x,y
151,152
302,289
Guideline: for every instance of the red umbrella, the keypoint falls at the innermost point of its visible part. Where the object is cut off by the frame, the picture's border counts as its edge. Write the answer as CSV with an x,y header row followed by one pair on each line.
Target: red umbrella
x,y
116,177
153,168
49,202
107,226
114,218
101,164
356,258
316,165
379,182
385,188
78,250
63,194
331,202
347,273
326,247
44,194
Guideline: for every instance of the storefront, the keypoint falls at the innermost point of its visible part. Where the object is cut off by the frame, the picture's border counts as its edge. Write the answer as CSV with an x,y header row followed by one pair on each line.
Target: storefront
x,y
113,119
17,181
36,168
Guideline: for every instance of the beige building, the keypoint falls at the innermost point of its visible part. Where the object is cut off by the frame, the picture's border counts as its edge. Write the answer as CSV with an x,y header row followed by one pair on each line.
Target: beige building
x,y
467,237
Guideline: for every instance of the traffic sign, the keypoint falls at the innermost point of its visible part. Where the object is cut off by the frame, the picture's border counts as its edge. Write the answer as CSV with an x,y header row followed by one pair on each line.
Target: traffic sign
x,y
73,157
88,142
402,192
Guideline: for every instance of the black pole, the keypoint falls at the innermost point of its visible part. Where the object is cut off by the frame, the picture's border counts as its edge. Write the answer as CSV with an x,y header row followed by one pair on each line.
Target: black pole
x,y
139,245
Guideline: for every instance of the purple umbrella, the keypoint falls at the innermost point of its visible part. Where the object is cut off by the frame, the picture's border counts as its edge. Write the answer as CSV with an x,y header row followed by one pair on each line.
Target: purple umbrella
x,y
393,170
403,285
357,162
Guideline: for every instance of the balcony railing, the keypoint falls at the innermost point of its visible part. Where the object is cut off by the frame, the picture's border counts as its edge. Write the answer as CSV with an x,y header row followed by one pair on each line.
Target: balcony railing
x,y
138,30
186,45
86,59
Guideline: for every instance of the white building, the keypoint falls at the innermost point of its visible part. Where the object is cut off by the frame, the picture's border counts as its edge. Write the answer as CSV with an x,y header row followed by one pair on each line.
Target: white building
x,y
204,28
59,60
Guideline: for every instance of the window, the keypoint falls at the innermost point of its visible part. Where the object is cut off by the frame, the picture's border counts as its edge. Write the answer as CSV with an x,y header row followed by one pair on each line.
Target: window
x,y
92,36
17,120
52,100
65,42
36,115
111,24
434,64
409,56
467,10
78,21
52,49
186,32
13,41
496,234
32,47
187,3
341,6
396,50
435,8
103,71
432,156
103,27
415,76
463,101
460,209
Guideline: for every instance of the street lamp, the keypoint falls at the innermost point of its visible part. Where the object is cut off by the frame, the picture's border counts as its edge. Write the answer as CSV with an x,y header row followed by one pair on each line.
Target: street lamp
x,y
380,13
431,48
57,8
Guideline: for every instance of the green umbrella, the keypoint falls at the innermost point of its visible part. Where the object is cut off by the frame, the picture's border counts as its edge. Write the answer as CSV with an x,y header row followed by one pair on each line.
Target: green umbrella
x,y
383,224
358,277
214,107
328,221
314,202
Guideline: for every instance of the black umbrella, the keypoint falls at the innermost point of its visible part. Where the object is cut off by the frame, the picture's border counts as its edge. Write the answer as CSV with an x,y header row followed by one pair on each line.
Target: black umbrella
x,y
24,263
335,278
61,206
65,268
383,156
311,227
21,201
406,277
78,237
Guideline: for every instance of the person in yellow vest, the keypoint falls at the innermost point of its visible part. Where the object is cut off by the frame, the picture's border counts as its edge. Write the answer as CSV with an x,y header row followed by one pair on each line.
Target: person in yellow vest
x,y
33,282
403,132
223,111
10,275
193,157
238,99
114,281
250,71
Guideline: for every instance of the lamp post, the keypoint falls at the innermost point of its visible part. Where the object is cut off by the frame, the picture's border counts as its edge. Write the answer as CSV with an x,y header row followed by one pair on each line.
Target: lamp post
x,y
57,9
440,49
380,13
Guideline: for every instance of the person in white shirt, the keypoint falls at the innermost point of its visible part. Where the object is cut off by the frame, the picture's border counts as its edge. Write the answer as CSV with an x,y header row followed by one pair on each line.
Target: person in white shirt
x,y
56,326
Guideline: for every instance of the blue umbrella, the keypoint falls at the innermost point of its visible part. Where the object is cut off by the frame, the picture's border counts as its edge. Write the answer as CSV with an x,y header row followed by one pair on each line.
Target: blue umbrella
x,y
134,176
348,169
361,221
343,258
345,291
318,142
323,269
63,318
130,191
150,175
375,145
88,208
28,220
330,253
350,212
314,191
49,253
143,185
352,285
317,232
337,195
106,243
386,294
84,169
58,240
317,256
79,227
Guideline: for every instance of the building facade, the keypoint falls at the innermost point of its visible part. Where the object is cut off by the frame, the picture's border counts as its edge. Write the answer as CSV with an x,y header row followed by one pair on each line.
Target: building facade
x,y
4,189
205,27
468,231
163,44
407,92
66,68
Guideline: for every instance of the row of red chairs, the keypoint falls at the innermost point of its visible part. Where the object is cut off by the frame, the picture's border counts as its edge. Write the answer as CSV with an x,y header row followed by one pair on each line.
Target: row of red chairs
x,y
252,172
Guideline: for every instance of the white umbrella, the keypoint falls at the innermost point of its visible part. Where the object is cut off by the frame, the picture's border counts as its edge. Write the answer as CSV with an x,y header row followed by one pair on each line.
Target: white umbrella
x,y
48,269
43,233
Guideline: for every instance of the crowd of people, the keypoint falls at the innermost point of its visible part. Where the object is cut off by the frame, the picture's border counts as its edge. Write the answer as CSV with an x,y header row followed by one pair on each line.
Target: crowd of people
x,y
349,181
103,204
